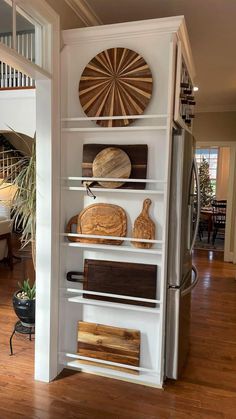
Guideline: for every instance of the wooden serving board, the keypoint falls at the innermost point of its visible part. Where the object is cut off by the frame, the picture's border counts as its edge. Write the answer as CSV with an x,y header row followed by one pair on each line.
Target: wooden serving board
x,y
132,279
109,344
144,227
99,219
116,81
137,154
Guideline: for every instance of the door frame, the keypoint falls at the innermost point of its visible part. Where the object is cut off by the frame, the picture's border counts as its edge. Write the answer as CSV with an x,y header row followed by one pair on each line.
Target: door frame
x,y
229,248
48,183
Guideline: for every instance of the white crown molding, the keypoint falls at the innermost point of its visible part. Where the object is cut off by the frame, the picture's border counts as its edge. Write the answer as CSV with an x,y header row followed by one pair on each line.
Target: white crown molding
x,y
123,30
186,48
85,12
215,108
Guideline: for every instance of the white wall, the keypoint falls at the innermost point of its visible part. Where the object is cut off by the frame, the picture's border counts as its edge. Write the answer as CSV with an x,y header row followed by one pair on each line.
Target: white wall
x,y
215,126
18,110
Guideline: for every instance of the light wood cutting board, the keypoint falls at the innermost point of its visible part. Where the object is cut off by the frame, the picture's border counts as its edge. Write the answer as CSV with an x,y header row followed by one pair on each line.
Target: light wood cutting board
x,y
144,227
109,344
112,162
99,219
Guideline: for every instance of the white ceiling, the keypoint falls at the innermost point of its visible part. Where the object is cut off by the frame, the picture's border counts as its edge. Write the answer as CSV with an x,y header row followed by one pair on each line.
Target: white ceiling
x,y
212,30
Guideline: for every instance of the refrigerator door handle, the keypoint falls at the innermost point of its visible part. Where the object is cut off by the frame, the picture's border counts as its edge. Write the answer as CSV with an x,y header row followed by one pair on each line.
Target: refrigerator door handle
x,y
193,284
195,170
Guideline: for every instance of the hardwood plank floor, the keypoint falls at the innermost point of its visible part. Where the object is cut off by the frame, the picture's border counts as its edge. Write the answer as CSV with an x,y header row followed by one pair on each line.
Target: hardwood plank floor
x,y
207,389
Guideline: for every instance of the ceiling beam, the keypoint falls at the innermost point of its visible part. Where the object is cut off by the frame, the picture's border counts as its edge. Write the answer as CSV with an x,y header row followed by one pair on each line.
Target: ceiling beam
x,y
85,12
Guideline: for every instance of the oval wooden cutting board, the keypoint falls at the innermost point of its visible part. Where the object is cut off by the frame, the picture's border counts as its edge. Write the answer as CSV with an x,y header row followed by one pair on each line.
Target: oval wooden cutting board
x,y
112,162
99,219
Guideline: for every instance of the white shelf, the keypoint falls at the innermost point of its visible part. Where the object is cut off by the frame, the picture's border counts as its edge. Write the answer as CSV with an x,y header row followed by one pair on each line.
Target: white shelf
x,y
108,129
112,179
96,236
100,303
105,190
117,248
112,118
109,363
106,294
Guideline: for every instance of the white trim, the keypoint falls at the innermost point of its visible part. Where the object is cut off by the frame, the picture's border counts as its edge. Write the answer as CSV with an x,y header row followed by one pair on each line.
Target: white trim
x,y
182,34
17,94
228,257
125,30
85,12
22,64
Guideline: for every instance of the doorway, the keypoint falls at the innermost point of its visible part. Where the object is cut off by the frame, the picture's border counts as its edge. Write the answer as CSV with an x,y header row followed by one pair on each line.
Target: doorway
x,y
216,164
45,73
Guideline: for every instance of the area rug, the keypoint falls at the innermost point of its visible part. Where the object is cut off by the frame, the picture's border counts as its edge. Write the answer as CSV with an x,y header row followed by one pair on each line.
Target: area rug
x,y
203,244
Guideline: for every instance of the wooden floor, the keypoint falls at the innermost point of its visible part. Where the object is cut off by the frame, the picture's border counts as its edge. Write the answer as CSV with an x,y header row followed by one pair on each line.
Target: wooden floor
x,y
207,389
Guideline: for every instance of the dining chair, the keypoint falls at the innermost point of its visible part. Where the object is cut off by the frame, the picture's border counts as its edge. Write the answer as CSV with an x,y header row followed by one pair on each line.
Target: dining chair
x,y
218,219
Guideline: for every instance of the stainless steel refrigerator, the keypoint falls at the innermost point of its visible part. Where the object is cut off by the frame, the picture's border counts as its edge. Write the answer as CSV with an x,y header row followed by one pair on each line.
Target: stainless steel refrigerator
x,y
183,227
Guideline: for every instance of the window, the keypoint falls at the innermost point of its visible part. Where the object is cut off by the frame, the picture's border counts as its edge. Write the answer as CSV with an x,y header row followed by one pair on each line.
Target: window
x,y
211,155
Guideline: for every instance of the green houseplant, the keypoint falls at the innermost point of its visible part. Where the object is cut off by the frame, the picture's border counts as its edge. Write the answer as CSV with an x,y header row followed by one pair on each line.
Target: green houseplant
x,y
23,205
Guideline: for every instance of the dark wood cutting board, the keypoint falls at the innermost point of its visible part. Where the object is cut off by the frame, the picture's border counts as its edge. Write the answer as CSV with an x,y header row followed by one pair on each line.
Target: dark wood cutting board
x,y
131,279
109,343
138,155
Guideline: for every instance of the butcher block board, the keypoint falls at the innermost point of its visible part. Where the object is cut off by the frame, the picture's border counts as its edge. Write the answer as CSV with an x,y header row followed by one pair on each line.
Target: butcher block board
x,y
101,220
138,155
109,343
131,279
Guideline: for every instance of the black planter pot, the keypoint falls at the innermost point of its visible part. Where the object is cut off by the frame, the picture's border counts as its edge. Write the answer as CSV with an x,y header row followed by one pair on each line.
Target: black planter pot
x,y
24,309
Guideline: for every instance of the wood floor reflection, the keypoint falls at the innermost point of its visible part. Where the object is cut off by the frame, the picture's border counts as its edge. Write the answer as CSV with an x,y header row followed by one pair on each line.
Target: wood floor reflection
x,y
206,390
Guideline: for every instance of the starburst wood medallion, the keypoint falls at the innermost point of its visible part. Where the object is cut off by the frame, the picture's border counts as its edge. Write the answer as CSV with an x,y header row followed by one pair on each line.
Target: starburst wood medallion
x,y
117,82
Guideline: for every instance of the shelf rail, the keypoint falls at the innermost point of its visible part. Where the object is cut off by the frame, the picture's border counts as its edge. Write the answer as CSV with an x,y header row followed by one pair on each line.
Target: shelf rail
x,y
112,118
117,248
105,362
106,294
108,304
102,179
95,236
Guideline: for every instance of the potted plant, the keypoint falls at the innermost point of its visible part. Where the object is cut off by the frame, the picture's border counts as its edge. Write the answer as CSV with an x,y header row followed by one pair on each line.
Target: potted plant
x,y
24,303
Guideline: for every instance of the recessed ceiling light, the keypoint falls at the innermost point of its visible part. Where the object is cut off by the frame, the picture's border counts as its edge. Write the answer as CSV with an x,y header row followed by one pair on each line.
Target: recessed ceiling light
x,y
195,89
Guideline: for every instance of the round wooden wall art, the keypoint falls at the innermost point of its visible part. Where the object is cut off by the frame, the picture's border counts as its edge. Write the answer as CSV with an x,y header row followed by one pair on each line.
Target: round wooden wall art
x,y
116,82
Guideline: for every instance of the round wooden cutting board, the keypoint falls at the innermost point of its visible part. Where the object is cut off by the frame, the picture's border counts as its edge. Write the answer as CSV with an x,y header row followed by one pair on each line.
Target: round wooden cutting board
x,y
115,82
112,162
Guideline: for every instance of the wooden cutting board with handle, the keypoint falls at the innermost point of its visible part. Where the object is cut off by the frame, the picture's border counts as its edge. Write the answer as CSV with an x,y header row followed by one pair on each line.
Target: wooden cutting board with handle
x,y
131,279
99,219
109,343
137,154
144,227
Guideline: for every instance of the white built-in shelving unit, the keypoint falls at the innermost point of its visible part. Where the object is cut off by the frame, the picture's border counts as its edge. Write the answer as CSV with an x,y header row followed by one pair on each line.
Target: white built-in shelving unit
x,y
156,40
